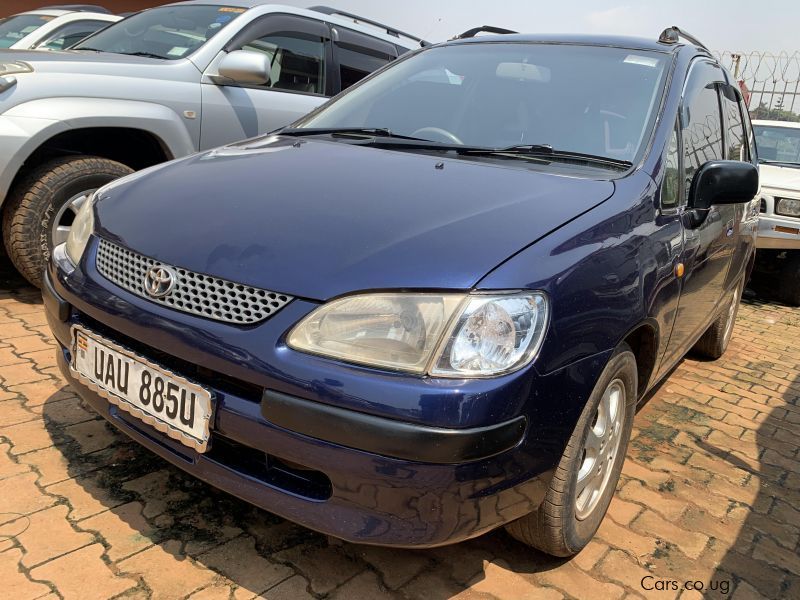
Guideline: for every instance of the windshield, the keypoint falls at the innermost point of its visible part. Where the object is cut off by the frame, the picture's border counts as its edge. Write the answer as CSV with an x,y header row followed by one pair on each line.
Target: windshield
x,y
14,29
169,32
584,99
777,144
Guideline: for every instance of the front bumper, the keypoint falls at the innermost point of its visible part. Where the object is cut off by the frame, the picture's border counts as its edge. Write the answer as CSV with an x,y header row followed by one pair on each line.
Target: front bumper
x,y
776,232
316,447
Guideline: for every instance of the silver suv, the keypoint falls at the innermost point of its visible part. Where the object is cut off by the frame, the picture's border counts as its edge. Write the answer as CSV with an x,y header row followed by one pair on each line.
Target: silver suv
x,y
159,85
778,242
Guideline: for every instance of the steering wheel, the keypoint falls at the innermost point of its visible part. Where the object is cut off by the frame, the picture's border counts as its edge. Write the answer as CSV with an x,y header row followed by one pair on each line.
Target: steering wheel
x,y
443,134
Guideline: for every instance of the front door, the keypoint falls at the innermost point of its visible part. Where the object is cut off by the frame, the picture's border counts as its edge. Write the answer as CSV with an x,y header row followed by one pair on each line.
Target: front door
x,y
709,239
299,51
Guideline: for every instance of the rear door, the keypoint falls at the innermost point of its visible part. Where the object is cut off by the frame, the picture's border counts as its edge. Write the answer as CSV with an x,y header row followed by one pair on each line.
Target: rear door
x,y
300,53
709,239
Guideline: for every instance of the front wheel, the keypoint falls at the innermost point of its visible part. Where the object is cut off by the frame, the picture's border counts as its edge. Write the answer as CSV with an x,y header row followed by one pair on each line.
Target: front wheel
x,y
39,211
587,474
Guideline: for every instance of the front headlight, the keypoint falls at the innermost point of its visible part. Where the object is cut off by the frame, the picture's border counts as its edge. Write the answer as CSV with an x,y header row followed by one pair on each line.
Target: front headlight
x,y
82,228
444,335
13,67
787,207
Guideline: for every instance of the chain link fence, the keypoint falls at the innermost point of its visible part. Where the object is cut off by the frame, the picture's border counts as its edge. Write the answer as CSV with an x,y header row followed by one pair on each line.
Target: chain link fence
x,y
773,80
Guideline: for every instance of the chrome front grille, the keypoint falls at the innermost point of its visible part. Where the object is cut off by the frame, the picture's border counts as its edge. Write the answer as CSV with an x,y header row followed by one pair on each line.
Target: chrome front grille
x,y
194,293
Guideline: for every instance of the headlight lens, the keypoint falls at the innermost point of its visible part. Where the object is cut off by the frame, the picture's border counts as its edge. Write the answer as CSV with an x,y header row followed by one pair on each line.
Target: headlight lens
x,y
787,207
493,335
14,67
445,335
82,228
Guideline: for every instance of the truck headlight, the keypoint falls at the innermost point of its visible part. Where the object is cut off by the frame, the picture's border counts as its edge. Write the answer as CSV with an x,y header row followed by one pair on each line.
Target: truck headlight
x,y
13,67
443,335
82,228
787,207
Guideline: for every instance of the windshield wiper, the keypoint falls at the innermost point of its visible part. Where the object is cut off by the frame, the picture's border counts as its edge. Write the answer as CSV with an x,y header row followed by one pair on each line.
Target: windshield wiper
x,y
547,151
146,54
368,132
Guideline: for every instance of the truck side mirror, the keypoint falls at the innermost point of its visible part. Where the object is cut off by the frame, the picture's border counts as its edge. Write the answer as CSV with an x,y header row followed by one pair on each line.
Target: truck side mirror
x,y
723,182
247,68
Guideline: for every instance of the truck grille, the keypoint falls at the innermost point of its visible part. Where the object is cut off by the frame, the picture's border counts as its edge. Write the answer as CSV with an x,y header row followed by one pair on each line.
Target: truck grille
x,y
194,293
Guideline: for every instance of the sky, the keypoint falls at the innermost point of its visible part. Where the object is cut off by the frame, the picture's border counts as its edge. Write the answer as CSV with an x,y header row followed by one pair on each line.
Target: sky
x,y
733,25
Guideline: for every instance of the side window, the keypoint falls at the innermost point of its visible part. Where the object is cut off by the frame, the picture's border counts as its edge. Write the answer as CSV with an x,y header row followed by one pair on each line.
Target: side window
x,y
701,120
671,188
296,49
359,55
735,136
71,34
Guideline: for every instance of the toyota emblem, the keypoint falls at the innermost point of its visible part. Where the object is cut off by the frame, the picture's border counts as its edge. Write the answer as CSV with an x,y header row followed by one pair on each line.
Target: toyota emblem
x,y
159,281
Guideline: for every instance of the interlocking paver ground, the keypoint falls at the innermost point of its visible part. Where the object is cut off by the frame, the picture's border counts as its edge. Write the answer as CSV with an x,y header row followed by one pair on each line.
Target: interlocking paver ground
x,y
710,493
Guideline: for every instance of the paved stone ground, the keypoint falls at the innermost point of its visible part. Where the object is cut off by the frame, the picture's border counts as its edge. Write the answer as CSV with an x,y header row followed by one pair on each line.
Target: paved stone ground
x,y
710,493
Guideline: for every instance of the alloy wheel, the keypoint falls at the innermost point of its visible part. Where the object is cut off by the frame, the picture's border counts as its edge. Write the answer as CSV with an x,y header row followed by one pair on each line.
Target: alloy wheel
x,y
599,451
62,222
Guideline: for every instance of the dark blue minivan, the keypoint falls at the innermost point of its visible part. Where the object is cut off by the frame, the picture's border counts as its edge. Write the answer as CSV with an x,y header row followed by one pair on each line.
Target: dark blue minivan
x,y
429,308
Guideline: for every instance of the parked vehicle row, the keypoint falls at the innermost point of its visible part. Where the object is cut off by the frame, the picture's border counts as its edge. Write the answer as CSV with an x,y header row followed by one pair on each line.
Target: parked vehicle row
x,y
159,85
427,309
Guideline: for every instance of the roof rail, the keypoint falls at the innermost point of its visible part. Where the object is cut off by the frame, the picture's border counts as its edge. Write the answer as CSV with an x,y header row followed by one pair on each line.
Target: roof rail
x,y
77,8
327,10
672,35
483,29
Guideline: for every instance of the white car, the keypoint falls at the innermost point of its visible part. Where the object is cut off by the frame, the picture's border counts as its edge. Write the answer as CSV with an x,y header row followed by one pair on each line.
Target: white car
x,y
51,28
778,241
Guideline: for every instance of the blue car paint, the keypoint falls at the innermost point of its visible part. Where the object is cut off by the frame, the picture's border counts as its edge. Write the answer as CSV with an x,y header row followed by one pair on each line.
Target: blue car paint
x,y
599,247
339,228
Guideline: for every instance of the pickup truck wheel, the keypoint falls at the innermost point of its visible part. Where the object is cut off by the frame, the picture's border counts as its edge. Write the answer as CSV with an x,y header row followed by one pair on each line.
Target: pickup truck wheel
x,y
715,340
40,210
790,279
586,477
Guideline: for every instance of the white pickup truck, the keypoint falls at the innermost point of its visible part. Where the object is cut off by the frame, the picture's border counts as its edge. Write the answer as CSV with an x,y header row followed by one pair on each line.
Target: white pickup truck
x,y
778,241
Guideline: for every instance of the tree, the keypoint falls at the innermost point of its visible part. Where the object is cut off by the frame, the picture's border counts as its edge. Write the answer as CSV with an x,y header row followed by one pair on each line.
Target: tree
x,y
777,113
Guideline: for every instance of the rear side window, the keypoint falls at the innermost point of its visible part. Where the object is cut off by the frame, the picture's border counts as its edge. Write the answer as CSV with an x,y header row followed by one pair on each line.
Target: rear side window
x,y
701,121
736,138
359,55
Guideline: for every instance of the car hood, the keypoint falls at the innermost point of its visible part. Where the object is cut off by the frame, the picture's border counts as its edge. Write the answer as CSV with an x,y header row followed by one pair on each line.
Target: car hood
x,y
89,63
317,219
779,178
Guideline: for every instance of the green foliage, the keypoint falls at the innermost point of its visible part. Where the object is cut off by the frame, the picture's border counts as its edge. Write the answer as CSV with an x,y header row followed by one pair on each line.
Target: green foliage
x,y
777,113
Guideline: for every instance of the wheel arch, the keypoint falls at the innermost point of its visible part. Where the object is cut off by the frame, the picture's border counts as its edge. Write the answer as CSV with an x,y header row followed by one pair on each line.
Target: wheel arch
x,y
643,341
138,134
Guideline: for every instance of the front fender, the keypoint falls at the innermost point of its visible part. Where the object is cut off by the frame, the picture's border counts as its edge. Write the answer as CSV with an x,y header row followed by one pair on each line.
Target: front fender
x,y
27,126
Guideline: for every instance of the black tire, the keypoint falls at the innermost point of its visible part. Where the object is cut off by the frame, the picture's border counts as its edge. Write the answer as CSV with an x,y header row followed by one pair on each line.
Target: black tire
x,y
790,279
716,338
554,527
31,205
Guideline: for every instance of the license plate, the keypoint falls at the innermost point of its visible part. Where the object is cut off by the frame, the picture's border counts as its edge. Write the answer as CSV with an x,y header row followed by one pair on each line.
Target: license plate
x,y
168,402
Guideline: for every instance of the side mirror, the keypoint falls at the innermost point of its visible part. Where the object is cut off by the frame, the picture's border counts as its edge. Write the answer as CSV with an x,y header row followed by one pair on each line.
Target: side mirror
x,y
723,182
241,66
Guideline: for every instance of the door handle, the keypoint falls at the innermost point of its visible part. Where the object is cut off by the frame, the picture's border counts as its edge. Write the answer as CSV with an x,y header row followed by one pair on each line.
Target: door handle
x,y
729,228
